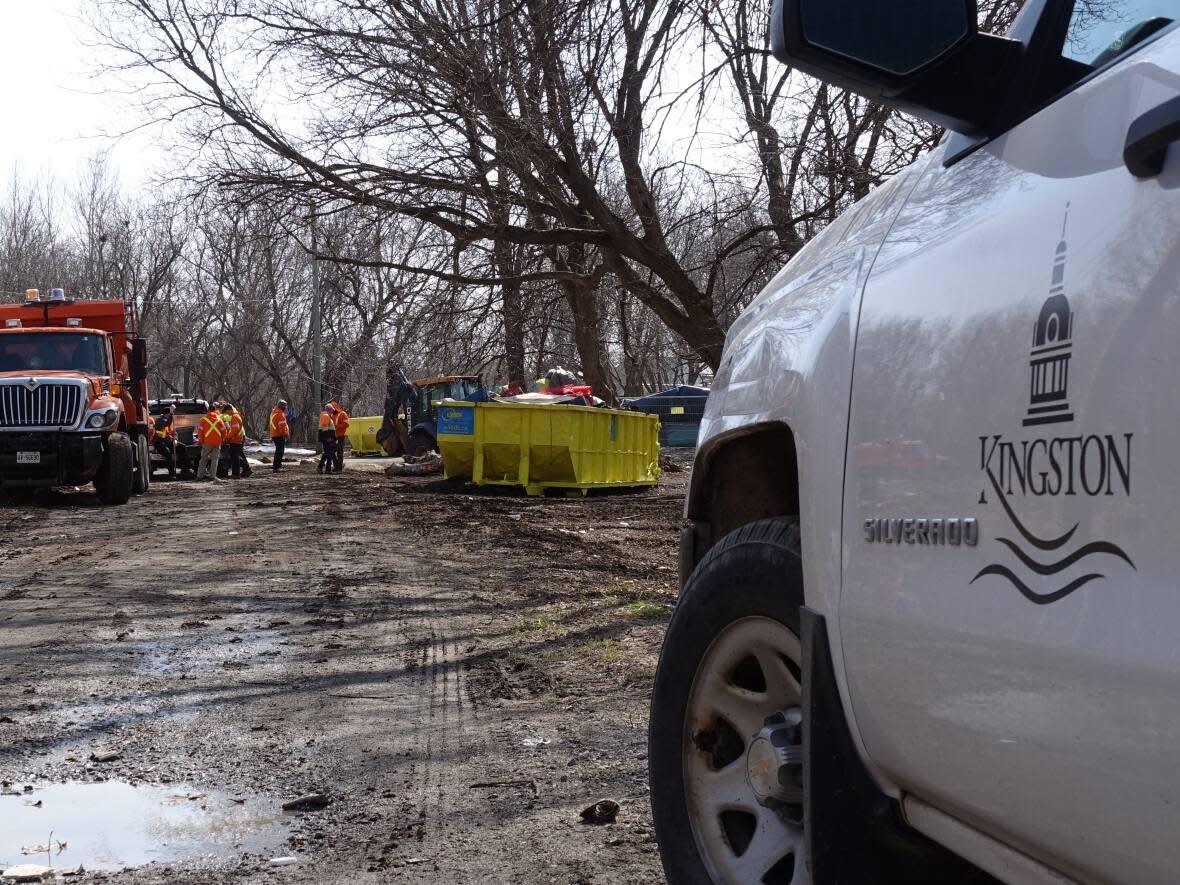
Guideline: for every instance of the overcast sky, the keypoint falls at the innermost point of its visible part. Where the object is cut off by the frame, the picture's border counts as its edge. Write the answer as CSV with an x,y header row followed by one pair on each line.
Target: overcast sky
x,y
55,116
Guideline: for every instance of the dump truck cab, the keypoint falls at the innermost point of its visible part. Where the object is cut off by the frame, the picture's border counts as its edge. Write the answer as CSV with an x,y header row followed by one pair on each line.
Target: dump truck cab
x,y
73,396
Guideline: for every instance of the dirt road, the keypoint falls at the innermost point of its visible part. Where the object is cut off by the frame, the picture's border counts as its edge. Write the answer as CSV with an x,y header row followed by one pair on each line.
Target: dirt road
x,y
461,673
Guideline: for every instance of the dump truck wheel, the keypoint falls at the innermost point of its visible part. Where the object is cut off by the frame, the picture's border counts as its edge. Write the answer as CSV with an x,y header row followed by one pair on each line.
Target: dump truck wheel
x,y
117,472
421,443
725,706
143,469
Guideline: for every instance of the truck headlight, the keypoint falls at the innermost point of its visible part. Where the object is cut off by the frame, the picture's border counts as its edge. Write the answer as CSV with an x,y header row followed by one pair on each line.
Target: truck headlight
x,y
102,420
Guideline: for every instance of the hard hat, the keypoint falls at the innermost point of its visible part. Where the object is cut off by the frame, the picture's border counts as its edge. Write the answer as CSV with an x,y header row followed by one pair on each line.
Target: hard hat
x,y
282,402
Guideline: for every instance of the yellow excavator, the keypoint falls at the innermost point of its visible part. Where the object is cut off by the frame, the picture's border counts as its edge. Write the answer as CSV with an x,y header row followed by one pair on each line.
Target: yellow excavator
x,y
409,424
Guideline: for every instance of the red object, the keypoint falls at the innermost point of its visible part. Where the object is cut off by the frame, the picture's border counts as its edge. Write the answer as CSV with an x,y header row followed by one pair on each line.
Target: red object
x,y
209,430
571,390
237,428
112,318
278,423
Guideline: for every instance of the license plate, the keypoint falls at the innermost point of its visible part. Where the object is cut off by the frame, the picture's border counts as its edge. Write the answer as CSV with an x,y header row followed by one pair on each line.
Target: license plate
x,y
28,457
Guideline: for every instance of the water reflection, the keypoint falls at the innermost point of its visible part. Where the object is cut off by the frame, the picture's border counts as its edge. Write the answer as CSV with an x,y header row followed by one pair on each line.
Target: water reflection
x,y
114,825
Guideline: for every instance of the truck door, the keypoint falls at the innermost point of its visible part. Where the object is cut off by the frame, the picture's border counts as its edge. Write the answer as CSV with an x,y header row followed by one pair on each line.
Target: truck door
x,y
1010,613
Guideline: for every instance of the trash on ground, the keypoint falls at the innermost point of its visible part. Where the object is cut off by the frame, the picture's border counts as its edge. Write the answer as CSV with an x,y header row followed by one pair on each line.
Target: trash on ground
x,y
283,861
425,465
604,811
308,802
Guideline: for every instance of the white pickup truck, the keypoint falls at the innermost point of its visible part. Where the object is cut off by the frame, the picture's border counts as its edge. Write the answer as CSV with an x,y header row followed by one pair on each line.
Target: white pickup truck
x,y
930,620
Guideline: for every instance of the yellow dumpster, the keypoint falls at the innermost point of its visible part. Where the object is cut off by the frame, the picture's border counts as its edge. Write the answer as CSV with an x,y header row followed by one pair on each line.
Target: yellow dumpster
x,y
362,436
548,446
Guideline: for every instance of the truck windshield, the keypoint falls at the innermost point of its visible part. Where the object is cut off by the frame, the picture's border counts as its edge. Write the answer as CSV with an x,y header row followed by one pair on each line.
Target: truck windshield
x,y
63,351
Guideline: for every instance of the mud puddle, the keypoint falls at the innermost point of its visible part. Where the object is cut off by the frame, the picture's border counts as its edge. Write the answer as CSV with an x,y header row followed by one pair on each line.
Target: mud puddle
x,y
114,825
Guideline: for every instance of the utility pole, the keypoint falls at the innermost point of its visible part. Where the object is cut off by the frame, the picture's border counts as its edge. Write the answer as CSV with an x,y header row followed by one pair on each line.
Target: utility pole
x,y
102,266
317,361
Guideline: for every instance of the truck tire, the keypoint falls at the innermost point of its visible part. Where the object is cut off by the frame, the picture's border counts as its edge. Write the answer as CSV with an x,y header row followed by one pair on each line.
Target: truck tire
x,y
143,467
117,472
422,443
725,734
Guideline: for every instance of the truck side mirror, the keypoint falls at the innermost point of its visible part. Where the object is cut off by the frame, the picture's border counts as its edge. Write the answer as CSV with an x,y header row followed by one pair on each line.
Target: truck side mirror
x,y
925,57
138,361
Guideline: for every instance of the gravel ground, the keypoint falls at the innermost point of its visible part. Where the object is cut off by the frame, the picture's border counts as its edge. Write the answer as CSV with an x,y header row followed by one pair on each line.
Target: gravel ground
x,y
461,672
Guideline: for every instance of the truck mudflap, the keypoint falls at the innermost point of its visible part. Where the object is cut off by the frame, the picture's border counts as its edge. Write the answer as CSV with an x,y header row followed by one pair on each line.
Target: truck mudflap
x,y
48,458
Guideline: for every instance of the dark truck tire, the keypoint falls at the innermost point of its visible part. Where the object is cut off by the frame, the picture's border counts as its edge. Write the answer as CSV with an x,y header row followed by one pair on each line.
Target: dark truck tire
x,y
734,634
142,478
116,475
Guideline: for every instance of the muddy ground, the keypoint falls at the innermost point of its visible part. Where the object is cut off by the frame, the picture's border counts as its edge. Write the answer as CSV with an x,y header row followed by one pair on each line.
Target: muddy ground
x,y
462,672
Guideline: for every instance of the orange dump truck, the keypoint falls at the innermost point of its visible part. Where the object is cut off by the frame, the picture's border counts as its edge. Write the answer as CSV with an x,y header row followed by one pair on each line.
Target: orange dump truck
x,y
73,396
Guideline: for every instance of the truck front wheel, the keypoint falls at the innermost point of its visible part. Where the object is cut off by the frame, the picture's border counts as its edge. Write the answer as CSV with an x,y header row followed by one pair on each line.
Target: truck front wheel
x,y
725,737
117,472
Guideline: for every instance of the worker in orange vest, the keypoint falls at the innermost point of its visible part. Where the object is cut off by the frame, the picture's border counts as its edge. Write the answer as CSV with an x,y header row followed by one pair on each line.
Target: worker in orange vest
x,y
279,431
235,438
327,437
340,419
210,434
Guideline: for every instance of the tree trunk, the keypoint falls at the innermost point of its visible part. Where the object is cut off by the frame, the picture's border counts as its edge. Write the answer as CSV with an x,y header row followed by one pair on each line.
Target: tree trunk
x,y
588,337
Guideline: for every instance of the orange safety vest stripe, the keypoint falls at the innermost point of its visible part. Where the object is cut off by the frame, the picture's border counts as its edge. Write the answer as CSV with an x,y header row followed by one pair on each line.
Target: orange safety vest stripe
x,y
237,429
278,422
210,430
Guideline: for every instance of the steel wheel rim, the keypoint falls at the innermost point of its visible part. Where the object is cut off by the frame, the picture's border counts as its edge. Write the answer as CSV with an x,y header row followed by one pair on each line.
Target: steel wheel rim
x,y
724,809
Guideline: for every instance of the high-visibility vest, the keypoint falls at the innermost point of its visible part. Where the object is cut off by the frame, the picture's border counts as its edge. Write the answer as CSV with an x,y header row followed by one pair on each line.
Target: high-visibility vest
x,y
325,420
341,424
278,423
210,430
237,429
168,432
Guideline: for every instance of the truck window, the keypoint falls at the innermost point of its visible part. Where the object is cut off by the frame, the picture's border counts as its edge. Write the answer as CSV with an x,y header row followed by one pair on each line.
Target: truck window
x,y
54,351
1101,30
